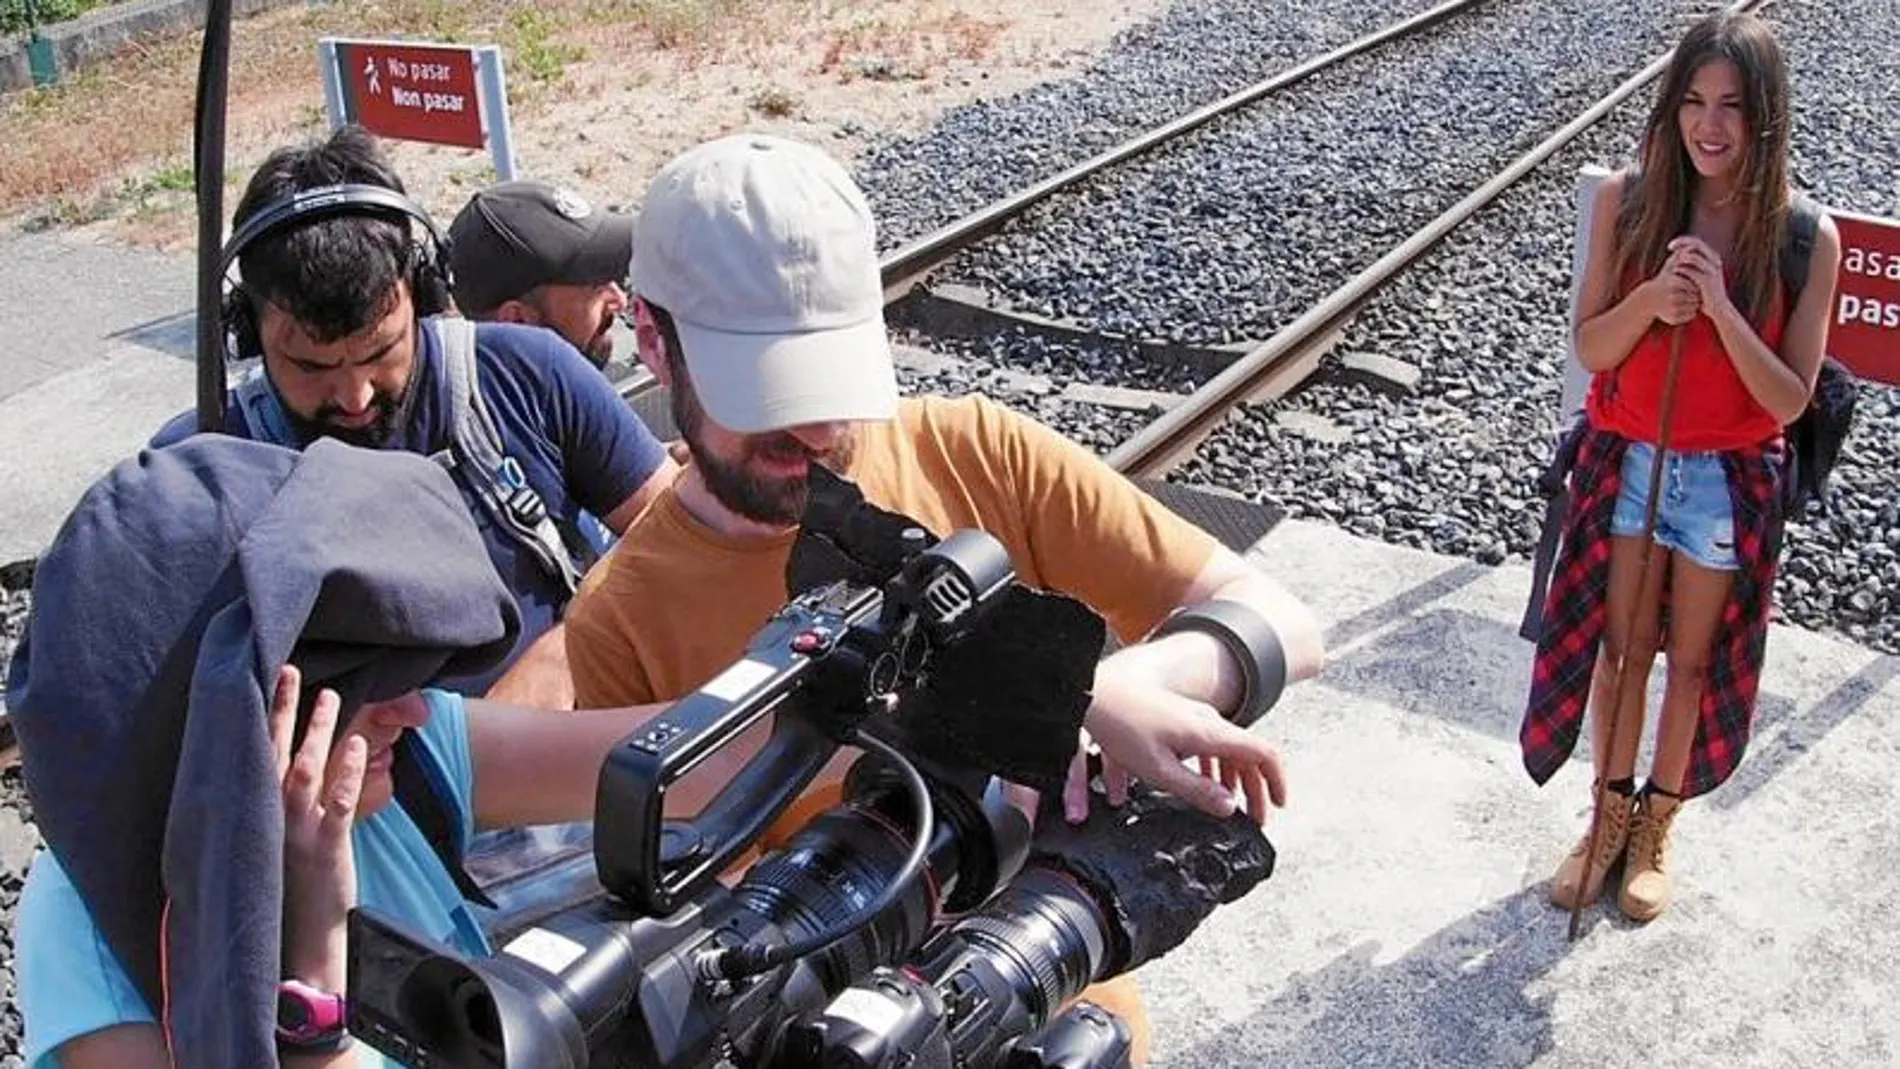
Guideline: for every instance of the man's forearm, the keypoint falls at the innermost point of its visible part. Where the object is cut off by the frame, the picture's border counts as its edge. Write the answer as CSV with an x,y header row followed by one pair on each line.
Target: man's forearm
x,y
532,768
1199,666
539,678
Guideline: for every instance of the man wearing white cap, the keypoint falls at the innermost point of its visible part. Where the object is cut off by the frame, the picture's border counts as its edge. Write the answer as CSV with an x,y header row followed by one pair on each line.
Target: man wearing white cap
x,y
757,301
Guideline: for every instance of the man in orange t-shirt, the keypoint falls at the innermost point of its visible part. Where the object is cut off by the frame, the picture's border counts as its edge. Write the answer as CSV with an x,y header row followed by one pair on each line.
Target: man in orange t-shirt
x,y
759,304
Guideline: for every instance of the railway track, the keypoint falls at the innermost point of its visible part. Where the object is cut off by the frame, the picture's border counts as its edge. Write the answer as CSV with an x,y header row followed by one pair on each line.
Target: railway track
x,y
1292,355
907,266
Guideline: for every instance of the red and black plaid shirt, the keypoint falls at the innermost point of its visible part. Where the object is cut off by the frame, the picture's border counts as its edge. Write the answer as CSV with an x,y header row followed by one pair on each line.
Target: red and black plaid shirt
x,y
1574,613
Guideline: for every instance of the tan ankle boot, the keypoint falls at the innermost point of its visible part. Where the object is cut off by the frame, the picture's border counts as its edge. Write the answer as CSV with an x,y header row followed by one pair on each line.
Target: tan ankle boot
x,y
1649,879
1612,820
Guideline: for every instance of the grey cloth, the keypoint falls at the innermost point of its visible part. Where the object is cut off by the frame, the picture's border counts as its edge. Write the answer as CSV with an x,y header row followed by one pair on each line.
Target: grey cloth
x,y
180,584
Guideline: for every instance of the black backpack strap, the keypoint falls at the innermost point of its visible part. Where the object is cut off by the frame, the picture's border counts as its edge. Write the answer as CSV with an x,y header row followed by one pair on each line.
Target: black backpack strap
x,y
1797,244
1554,483
422,789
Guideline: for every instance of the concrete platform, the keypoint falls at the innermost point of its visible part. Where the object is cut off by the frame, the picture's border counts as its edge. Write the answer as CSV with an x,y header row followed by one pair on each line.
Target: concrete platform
x,y
84,380
1408,924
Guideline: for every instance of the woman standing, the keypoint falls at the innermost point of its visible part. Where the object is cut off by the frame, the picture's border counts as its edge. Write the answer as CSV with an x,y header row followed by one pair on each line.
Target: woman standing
x,y
1685,261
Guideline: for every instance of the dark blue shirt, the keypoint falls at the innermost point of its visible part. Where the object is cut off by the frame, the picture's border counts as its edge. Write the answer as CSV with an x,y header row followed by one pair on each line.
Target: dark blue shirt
x,y
579,445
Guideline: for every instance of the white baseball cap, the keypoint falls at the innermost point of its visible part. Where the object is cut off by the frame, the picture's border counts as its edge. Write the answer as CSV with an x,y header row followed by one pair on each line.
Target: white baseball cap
x,y
765,254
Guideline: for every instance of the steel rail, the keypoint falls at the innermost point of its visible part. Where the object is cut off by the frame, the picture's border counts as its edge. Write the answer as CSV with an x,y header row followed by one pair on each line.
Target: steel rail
x,y
905,266
1276,365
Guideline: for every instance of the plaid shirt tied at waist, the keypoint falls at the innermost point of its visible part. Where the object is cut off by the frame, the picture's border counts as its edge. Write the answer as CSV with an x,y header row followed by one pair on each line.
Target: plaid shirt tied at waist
x,y
1574,611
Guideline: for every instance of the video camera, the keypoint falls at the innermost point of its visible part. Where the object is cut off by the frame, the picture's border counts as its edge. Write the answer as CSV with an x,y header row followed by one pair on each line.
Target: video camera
x,y
832,950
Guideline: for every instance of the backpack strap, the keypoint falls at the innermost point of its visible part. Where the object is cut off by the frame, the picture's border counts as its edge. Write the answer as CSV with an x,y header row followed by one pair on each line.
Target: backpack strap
x,y
1797,244
477,456
263,412
422,789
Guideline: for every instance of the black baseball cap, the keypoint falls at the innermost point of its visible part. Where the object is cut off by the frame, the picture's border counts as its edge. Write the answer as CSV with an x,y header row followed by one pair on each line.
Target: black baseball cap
x,y
514,236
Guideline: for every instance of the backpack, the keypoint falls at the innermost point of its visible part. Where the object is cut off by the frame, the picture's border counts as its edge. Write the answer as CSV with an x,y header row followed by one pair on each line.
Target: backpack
x,y
1816,437
475,455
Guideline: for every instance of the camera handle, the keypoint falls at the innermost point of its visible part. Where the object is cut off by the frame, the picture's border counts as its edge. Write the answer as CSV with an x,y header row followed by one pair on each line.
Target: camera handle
x,y
805,664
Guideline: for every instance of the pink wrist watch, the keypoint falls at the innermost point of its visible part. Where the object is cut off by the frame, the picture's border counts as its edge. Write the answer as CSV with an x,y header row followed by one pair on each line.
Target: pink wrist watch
x,y
310,1019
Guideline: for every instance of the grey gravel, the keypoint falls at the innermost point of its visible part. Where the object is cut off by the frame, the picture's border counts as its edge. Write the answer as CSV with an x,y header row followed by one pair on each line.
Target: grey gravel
x,y
1250,220
1193,54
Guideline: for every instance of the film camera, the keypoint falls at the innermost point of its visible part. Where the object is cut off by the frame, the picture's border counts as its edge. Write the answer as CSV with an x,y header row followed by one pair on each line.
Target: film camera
x,y
915,923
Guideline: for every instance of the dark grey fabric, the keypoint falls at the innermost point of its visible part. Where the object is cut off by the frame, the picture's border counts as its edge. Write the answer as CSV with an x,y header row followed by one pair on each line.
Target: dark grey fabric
x,y
174,592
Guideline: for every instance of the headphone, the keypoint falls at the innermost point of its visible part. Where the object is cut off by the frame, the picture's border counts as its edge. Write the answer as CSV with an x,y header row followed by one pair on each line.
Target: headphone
x,y
430,281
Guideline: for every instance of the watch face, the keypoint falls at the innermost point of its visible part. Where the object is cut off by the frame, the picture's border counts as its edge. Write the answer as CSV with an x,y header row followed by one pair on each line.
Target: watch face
x,y
292,1013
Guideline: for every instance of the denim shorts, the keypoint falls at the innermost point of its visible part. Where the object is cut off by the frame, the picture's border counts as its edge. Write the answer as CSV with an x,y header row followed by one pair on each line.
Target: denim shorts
x,y
1694,515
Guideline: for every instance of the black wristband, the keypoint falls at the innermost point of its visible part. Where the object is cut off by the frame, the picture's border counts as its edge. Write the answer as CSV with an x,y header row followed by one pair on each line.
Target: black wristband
x,y
1252,641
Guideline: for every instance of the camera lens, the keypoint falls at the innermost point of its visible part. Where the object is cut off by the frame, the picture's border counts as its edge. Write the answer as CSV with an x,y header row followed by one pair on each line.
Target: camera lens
x,y
1043,933
826,875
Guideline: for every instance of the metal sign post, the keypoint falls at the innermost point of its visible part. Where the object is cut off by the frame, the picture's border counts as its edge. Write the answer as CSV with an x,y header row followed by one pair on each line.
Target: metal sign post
x,y
41,60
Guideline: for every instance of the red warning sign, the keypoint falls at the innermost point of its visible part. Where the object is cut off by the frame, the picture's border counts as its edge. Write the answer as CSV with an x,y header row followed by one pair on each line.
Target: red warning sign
x,y
1864,333
412,92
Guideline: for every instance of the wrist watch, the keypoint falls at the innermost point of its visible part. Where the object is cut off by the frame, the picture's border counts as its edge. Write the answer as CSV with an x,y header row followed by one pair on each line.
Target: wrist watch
x,y
310,1019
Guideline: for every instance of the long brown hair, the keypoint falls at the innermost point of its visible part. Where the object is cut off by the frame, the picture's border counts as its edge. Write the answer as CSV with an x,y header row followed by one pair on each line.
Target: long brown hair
x,y
1660,210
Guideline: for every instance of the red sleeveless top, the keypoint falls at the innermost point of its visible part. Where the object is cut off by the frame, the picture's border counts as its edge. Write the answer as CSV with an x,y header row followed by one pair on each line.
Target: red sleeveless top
x,y
1714,410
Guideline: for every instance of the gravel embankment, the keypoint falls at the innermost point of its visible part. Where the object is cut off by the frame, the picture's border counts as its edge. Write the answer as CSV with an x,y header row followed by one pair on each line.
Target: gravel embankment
x,y
1193,54
1248,221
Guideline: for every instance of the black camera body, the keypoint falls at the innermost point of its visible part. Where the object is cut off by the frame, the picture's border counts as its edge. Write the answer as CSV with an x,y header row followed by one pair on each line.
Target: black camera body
x,y
835,949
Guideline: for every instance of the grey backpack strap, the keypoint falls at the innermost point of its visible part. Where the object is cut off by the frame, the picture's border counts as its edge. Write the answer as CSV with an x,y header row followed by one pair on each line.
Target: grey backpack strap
x,y
495,478
263,412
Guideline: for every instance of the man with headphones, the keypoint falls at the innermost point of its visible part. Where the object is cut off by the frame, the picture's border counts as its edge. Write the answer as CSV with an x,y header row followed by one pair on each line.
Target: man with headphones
x,y
345,283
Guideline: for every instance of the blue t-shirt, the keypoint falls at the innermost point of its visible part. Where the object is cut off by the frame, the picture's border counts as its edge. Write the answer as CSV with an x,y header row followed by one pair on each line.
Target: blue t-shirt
x,y
70,983
580,446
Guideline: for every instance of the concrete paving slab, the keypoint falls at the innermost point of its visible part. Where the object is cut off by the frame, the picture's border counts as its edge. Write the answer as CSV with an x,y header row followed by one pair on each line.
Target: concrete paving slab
x,y
69,299
1408,922
61,435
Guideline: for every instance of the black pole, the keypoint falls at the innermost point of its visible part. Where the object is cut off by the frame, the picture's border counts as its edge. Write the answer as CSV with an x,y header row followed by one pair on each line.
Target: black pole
x,y
208,175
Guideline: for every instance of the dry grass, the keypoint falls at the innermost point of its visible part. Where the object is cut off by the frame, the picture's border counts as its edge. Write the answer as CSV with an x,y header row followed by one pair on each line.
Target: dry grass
x,y
76,150
600,91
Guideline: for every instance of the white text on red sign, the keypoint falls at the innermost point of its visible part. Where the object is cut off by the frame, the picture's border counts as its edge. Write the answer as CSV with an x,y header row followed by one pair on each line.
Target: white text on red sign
x,y
1870,311
418,72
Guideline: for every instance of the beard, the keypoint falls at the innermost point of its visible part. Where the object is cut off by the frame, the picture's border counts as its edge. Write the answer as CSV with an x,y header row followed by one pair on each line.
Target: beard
x,y
392,413
778,501
600,349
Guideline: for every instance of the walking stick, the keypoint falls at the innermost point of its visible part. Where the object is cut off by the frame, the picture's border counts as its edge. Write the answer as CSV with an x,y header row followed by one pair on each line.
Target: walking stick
x,y
1650,506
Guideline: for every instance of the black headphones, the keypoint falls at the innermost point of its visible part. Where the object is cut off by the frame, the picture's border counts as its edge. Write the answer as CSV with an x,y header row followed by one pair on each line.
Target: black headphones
x,y
430,282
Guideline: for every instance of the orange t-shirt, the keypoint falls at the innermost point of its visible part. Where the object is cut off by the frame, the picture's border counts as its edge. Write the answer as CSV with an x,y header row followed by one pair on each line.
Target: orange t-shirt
x,y
675,603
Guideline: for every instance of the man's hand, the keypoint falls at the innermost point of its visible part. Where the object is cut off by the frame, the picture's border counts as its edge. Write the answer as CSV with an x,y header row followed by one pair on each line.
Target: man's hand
x,y
1145,729
321,791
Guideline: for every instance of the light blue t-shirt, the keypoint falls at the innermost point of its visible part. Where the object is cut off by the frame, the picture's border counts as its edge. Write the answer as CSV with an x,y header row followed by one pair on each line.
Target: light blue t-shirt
x,y
70,984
